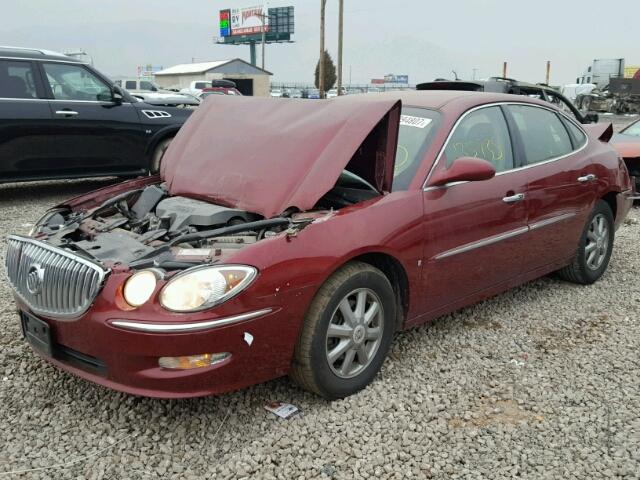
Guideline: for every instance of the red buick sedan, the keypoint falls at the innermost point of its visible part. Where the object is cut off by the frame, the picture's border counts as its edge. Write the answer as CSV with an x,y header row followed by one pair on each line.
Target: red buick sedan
x,y
297,237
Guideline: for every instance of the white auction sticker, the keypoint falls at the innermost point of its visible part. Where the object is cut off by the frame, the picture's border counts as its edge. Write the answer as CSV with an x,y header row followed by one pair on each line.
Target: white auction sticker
x,y
417,122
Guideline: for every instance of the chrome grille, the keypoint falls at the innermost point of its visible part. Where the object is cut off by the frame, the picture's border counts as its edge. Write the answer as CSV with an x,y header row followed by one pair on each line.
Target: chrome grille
x,y
52,281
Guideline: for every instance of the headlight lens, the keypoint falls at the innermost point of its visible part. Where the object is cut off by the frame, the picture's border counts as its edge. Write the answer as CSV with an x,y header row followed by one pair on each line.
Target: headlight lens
x,y
44,219
139,287
200,288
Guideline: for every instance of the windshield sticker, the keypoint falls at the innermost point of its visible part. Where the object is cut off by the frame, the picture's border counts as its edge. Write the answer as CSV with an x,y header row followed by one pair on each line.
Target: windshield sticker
x,y
417,122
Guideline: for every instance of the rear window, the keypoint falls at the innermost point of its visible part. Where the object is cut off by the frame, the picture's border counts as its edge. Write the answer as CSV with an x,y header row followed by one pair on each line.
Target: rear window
x,y
543,134
579,137
633,130
201,85
417,129
17,80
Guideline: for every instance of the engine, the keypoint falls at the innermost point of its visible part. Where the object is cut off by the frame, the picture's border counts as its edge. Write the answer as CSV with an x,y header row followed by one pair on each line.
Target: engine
x,y
136,225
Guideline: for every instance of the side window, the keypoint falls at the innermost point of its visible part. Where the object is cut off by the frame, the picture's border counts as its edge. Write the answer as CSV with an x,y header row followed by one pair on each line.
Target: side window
x,y
130,85
17,80
482,134
201,85
579,138
74,82
543,134
144,85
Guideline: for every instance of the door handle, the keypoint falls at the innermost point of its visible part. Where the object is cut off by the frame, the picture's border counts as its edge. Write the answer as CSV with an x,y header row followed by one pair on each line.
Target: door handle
x,y
69,113
587,178
518,197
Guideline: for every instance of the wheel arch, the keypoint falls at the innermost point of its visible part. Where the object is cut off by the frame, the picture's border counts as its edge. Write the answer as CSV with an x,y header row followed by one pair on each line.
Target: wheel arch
x,y
395,272
611,199
159,136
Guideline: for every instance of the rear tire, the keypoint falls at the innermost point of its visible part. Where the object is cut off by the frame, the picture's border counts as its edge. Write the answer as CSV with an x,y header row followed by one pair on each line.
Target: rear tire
x,y
594,249
158,154
347,332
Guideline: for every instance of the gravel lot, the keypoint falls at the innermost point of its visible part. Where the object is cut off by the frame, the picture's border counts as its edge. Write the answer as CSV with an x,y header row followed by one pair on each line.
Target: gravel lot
x,y
540,382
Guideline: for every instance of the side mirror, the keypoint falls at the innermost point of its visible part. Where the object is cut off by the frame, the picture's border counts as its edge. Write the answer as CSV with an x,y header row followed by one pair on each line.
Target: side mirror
x,y
464,169
117,96
591,118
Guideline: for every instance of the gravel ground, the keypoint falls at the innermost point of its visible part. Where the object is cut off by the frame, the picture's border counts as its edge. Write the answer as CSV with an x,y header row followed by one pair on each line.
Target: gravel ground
x,y
540,382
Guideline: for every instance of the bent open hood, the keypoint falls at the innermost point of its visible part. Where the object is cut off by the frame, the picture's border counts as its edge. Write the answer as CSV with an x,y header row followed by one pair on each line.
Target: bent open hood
x,y
264,155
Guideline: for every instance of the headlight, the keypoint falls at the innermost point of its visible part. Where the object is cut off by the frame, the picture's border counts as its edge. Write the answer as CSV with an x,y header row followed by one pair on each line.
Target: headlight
x,y
45,219
200,288
139,287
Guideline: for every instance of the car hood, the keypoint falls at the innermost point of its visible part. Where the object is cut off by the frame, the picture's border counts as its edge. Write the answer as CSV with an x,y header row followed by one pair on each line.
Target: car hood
x,y
265,156
627,146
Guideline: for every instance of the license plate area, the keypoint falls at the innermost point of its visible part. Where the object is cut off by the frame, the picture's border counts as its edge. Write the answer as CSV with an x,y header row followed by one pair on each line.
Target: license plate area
x,y
37,333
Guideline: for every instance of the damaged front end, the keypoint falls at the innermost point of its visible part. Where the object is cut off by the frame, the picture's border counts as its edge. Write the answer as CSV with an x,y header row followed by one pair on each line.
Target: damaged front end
x,y
148,227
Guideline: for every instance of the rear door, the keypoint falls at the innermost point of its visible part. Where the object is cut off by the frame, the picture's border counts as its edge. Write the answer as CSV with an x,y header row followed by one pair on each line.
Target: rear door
x,y
560,188
94,134
475,231
26,141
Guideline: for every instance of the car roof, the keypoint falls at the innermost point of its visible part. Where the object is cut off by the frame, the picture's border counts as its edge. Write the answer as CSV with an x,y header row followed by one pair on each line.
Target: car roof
x,y
493,84
452,100
35,54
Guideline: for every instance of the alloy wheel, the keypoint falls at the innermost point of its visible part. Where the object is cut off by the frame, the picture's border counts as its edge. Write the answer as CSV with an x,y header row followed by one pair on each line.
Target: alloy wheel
x,y
355,333
597,246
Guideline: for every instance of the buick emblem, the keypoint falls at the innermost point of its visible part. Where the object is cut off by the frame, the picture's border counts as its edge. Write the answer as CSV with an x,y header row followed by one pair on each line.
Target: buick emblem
x,y
35,279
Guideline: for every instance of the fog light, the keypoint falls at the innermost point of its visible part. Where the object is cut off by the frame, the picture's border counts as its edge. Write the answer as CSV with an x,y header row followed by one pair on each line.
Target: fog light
x,y
192,361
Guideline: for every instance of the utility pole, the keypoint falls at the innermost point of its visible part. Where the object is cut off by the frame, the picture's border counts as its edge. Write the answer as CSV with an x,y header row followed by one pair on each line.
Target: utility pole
x,y
263,38
504,70
340,34
323,3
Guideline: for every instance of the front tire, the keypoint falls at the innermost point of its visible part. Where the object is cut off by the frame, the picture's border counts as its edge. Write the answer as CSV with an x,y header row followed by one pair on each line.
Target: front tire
x,y
158,154
347,332
595,247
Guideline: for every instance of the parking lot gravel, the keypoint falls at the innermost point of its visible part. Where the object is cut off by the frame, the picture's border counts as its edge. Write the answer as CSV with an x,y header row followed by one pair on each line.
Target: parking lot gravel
x,y
540,382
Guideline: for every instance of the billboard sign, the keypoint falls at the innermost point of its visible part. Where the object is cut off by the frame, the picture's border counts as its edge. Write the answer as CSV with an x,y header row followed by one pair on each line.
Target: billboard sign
x,y
391,78
632,72
248,21
225,23
244,25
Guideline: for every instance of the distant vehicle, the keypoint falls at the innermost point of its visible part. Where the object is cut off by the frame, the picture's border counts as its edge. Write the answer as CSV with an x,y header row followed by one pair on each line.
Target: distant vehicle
x,y
220,87
621,96
514,87
627,144
151,93
74,121
573,90
313,94
601,71
333,93
276,93
196,87
295,93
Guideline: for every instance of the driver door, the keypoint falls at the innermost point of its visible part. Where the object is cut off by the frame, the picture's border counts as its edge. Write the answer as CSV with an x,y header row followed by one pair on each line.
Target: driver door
x,y
475,231
93,134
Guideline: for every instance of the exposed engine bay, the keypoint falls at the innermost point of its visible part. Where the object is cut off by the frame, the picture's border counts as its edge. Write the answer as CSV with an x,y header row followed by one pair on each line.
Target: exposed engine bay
x,y
148,227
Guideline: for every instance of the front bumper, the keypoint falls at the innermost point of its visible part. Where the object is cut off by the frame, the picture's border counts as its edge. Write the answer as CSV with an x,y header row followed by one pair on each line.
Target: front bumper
x,y
127,360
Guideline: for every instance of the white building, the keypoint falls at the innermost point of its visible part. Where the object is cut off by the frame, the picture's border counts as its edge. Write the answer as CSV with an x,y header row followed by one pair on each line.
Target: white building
x,y
250,80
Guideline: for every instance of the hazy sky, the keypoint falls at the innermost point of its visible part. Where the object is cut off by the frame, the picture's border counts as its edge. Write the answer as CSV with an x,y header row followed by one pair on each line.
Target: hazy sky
x,y
424,39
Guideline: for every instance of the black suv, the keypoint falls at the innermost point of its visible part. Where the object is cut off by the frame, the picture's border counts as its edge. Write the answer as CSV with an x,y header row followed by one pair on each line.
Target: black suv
x,y
61,118
514,87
